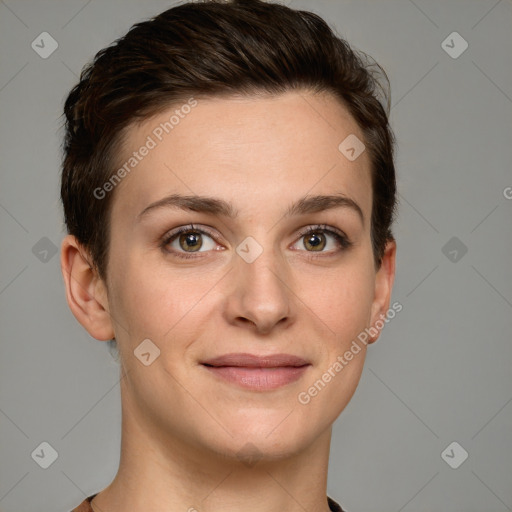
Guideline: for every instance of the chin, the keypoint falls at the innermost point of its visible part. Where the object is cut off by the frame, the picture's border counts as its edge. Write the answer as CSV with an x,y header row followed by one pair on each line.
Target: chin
x,y
267,437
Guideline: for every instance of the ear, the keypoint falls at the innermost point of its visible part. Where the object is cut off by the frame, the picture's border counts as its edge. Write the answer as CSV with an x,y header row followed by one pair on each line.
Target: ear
x,y
383,287
86,292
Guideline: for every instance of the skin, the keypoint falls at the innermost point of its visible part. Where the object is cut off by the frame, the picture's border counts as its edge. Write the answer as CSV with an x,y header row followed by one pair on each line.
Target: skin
x,y
183,428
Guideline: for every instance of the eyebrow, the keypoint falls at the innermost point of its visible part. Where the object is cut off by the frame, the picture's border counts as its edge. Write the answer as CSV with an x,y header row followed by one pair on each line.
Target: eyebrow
x,y
220,207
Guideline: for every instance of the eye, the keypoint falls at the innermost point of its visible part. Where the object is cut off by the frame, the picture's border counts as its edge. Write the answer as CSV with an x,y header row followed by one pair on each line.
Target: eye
x,y
323,239
188,239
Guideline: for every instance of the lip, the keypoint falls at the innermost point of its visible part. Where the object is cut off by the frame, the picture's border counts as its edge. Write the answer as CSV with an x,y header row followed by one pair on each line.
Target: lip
x,y
260,373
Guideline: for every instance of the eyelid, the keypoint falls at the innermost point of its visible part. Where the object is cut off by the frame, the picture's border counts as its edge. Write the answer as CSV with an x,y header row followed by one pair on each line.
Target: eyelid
x,y
188,227
173,233
320,227
341,238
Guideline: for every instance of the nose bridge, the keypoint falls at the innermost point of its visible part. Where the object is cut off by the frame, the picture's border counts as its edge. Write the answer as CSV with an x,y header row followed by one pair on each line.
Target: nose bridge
x,y
265,273
261,293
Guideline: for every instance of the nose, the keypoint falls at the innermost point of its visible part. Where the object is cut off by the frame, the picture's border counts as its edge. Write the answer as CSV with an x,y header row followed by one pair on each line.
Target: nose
x,y
260,297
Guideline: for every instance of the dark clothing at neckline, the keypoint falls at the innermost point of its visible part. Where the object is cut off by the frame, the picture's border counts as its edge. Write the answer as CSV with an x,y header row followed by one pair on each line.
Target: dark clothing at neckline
x,y
85,506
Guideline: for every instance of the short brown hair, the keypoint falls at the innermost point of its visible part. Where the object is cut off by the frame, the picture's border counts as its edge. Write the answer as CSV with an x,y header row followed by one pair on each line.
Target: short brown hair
x,y
214,48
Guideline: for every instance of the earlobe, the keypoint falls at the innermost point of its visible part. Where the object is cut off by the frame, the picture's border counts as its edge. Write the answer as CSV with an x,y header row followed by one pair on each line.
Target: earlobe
x,y
85,291
384,280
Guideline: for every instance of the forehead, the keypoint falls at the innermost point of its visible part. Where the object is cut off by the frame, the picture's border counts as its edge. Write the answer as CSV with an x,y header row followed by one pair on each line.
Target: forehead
x,y
252,151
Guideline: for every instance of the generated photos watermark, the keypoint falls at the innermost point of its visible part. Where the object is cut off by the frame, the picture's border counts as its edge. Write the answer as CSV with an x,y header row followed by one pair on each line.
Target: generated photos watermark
x,y
304,397
157,135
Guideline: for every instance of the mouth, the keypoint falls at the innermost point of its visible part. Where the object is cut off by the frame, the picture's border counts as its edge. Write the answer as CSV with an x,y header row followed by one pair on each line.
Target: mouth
x,y
259,373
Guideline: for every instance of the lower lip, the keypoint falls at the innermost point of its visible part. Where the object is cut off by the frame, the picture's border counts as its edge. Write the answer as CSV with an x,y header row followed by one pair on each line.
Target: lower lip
x,y
259,378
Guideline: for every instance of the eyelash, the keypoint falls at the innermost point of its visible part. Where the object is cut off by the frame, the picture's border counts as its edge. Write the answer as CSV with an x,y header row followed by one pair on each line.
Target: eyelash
x,y
342,240
169,237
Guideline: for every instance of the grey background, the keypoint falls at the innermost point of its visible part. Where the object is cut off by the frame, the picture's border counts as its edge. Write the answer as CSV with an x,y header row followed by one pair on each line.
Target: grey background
x,y
441,371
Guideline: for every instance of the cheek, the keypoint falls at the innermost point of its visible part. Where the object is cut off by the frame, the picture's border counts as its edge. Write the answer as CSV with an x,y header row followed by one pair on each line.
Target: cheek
x,y
151,302
341,298
144,304
344,304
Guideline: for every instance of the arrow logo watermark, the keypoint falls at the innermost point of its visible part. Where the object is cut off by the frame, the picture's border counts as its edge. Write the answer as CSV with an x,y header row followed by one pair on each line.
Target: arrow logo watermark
x,y
454,45
44,45
351,147
249,249
44,455
44,250
146,352
454,455
249,455
454,249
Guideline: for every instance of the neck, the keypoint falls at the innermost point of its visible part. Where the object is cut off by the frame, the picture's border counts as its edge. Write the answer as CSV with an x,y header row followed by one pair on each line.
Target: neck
x,y
165,473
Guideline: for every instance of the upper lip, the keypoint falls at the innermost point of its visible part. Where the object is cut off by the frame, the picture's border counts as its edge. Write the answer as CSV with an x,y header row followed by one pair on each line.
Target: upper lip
x,y
254,361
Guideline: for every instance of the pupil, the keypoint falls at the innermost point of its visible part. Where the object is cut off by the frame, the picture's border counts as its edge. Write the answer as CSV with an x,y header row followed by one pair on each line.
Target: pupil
x,y
314,241
313,238
190,241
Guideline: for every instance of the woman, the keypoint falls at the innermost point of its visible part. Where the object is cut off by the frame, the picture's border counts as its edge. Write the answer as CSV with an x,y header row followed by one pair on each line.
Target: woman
x,y
229,189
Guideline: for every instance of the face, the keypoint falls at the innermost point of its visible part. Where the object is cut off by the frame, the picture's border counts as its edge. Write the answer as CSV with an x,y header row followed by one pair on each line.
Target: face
x,y
249,287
